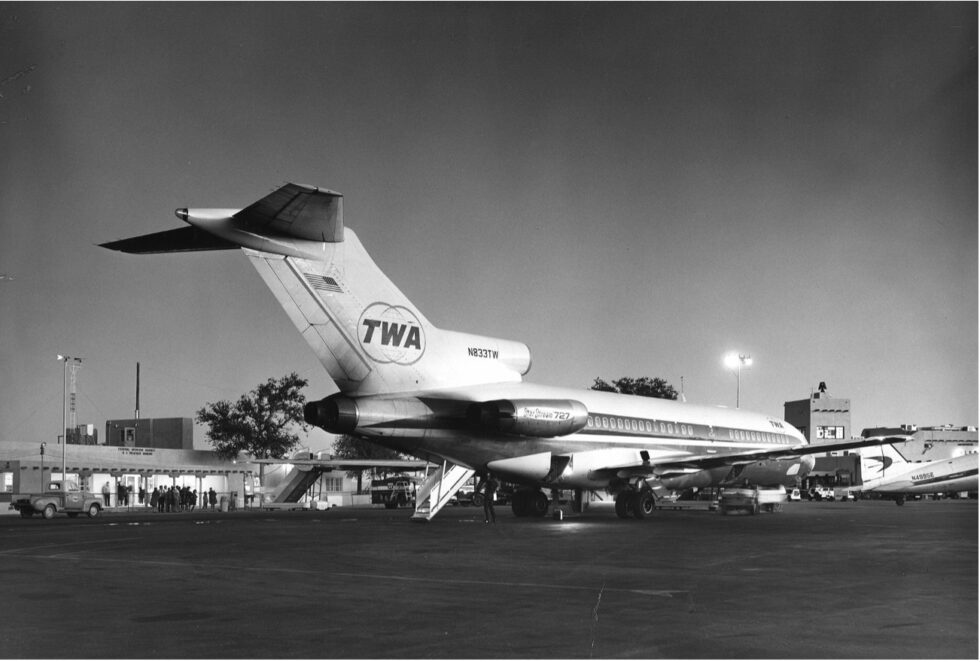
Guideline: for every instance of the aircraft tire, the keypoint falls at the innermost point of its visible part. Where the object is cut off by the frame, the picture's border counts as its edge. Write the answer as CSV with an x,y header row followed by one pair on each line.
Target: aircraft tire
x,y
643,505
899,501
538,504
519,504
624,506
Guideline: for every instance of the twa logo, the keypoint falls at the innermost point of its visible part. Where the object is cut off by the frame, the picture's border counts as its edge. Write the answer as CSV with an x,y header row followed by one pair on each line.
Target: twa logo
x,y
391,334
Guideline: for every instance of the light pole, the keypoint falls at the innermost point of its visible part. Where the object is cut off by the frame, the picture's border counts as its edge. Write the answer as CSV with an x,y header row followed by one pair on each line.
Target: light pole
x,y
42,468
64,414
735,361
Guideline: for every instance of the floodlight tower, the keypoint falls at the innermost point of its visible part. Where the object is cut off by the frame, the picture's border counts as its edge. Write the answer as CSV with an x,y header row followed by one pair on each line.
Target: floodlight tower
x,y
735,361
75,364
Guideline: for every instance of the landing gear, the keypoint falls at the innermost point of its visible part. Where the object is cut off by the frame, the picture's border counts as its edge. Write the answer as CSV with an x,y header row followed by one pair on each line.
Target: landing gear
x,y
643,504
624,504
639,504
530,503
900,500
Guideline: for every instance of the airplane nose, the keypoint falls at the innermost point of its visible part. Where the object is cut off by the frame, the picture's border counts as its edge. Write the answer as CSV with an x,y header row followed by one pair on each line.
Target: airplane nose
x,y
181,214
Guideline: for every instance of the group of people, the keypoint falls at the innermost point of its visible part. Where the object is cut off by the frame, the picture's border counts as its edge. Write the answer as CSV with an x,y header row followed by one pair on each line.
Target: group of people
x,y
179,499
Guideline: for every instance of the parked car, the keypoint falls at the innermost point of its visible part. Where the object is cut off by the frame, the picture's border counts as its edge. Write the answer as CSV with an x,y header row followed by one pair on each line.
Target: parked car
x,y
793,494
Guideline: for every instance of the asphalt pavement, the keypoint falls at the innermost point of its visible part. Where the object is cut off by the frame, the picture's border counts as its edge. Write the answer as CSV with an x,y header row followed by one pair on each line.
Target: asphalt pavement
x,y
818,580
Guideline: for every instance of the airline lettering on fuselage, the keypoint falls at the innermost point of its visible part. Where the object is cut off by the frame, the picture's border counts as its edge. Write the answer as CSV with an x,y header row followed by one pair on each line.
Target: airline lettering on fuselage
x,y
482,352
543,414
923,476
391,334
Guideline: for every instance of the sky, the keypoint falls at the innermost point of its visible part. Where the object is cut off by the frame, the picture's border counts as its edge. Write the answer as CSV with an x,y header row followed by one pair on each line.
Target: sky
x,y
630,189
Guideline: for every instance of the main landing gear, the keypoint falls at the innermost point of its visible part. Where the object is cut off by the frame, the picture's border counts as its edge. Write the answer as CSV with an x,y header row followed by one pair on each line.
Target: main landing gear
x,y
638,503
529,503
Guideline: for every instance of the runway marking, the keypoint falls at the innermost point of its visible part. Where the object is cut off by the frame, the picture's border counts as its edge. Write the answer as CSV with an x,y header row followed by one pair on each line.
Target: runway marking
x,y
665,593
65,544
658,593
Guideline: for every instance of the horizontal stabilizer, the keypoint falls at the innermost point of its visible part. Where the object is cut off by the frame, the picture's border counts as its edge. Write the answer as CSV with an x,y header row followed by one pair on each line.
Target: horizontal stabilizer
x,y
171,241
295,210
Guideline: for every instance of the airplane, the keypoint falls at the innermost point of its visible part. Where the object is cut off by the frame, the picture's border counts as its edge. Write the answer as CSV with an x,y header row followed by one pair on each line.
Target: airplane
x,y
887,472
459,399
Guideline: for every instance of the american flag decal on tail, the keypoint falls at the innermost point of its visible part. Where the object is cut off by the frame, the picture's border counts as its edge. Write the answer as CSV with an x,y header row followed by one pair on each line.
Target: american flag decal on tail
x,y
323,283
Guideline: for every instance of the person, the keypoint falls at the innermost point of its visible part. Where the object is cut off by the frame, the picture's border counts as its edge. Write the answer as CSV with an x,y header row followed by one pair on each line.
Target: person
x,y
154,498
105,494
489,494
142,494
212,498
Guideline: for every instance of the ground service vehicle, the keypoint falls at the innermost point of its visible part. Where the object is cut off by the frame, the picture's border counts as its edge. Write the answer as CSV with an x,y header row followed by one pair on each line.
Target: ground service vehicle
x,y
54,499
752,499
393,492
739,498
820,493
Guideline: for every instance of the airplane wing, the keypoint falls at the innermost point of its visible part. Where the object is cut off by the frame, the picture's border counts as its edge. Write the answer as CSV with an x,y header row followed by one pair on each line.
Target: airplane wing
x,y
349,465
700,462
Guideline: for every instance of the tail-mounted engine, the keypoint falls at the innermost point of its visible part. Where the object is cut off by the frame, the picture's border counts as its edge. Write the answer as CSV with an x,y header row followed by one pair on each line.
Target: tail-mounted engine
x,y
340,414
529,418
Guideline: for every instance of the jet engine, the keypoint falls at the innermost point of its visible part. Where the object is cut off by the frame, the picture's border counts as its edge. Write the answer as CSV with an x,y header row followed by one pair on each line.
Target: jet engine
x,y
340,414
529,418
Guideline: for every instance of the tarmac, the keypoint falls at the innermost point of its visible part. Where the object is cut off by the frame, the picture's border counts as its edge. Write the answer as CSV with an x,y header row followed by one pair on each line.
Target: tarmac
x,y
817,580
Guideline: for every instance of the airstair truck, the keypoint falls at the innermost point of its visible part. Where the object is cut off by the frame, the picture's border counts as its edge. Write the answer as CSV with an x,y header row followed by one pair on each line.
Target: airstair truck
x,y
54,499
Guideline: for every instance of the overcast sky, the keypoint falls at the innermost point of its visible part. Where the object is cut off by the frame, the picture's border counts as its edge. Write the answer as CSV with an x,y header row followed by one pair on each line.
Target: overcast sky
x,y
629,189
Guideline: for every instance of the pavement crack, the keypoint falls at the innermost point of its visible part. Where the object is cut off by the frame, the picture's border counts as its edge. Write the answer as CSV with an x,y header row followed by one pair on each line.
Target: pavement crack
x,y
595,617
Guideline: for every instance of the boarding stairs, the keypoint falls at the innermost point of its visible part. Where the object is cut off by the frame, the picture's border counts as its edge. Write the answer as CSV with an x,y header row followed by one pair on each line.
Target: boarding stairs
x,y
439,487
297,483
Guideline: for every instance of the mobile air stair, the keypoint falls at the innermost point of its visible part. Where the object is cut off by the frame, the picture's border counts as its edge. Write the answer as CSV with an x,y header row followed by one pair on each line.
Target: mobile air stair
x,y
439,487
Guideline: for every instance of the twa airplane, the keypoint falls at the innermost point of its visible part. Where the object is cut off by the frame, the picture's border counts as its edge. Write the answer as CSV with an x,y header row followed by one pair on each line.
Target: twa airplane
x,y
888,472
459,399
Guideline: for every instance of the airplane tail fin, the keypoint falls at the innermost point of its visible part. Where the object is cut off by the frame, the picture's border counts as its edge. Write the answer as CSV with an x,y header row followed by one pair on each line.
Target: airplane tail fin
x,y
367,334
877,461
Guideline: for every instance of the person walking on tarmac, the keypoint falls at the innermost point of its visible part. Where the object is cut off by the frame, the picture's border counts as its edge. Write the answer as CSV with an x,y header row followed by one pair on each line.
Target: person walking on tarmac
x,y
489,494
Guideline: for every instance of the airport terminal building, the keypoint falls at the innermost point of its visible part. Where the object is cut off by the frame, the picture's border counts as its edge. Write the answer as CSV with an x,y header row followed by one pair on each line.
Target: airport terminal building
x,y
822,417
136,455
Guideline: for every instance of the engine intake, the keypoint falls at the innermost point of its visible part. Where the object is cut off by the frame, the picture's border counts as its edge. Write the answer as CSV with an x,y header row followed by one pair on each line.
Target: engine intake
x,y
337,414
529,418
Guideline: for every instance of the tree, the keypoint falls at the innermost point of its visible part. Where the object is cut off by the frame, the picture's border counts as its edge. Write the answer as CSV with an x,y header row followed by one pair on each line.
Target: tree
x,y
347,447
645,386
261,423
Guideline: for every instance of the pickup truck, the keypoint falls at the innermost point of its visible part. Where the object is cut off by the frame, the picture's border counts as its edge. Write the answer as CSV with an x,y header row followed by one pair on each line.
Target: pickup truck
x,y
71,501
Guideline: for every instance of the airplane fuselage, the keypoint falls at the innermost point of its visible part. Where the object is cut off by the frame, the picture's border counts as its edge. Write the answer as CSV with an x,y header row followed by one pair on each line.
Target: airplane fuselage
x,y
958,474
